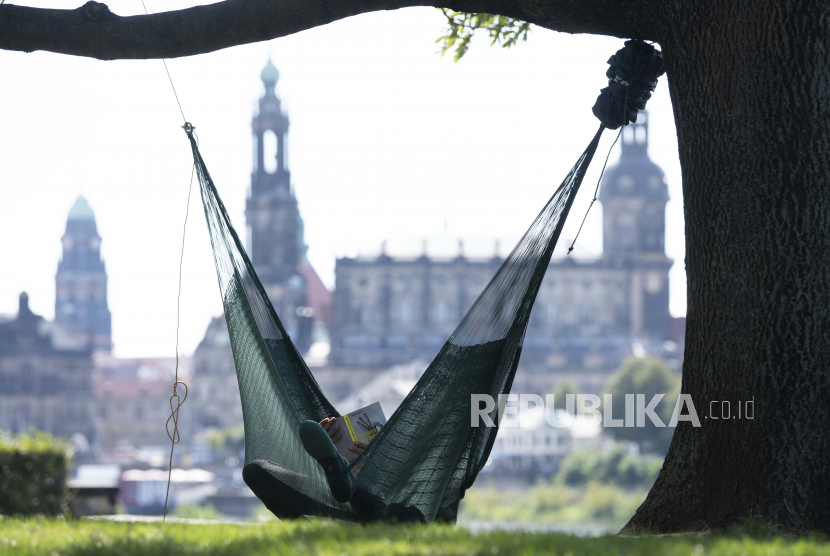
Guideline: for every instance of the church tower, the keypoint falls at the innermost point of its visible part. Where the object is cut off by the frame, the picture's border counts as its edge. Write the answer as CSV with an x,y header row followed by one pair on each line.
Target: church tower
x,y
634,195
275,229
81,282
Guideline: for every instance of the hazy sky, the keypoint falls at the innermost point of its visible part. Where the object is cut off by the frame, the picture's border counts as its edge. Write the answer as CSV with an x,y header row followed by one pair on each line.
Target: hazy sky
x,y
387,140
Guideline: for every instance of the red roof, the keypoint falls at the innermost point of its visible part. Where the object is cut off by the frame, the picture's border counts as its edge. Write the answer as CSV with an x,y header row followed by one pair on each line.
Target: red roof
x,y
318,297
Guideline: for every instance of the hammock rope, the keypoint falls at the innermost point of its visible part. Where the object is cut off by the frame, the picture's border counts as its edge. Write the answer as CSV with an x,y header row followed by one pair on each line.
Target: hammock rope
x,y
423,460
175,437
596,192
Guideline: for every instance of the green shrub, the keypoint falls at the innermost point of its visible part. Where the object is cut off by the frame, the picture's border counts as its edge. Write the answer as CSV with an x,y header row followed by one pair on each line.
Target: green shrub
x,y
648,376
231,439
33,475
614,465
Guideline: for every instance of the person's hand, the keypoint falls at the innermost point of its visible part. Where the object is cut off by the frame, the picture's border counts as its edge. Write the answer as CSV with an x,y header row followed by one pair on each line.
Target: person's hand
x,y
331,426
357,448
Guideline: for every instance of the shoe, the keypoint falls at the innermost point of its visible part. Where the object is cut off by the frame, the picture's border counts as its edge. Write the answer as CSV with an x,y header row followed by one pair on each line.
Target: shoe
x,y
317,443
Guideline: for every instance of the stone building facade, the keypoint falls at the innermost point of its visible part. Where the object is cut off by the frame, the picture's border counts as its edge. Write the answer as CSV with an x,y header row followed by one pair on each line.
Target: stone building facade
x,y
390,309
133,400
81,282
215,388
46,368
45,378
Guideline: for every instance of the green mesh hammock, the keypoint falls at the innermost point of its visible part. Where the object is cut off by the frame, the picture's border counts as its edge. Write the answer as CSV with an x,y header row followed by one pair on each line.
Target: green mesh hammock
x,y
425,458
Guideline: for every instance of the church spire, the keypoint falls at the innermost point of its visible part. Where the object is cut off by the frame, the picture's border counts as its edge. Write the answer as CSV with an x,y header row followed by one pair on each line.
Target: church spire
x,y
275,227
270,75
635,136
275,242
81,281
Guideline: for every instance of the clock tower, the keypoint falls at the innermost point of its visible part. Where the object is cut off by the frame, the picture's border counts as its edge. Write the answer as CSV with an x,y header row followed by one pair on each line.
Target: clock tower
x,y
634,195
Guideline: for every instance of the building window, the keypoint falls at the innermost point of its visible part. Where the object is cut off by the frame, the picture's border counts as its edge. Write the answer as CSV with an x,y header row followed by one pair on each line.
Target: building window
x,y
655,182
552,314
587,315
405,313
441,312
626,232
269,150
654,283
625,183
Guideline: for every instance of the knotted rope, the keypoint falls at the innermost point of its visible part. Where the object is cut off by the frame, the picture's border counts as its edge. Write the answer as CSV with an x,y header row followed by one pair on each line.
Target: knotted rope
x,y
174,408
179,401
632,78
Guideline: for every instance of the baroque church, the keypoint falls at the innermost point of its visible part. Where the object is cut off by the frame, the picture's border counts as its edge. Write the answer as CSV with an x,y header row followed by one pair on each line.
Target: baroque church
x,y
277,249
46,368
390,308
81,282
276,243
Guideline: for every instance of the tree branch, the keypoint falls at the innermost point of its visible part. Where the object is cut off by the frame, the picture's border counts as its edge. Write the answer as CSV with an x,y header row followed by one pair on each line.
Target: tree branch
x,y
94,31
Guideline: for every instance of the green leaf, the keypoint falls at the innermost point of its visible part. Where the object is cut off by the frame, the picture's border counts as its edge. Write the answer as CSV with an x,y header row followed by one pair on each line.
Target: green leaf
x,y
503,30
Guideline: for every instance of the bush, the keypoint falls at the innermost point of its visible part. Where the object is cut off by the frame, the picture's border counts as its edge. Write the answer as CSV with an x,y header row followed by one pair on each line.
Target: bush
x,y
231,439
649,376
33,475
615,465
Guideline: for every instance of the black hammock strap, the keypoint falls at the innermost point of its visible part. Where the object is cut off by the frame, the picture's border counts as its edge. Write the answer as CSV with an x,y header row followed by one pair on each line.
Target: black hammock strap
x,y
427,455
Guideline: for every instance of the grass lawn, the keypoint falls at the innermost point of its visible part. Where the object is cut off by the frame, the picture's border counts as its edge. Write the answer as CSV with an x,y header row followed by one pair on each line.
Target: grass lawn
x,y
57,537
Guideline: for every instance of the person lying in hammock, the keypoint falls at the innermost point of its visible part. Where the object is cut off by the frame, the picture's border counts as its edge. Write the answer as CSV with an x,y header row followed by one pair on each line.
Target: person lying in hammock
x,y
333,428
318,440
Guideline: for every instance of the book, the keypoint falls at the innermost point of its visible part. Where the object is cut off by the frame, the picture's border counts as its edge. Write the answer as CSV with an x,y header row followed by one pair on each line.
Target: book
x,y
361,425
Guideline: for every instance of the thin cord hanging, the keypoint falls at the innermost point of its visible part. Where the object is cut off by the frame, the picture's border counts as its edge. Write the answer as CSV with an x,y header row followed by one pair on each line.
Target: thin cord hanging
x,y
163,61
174,411
179,401
596,191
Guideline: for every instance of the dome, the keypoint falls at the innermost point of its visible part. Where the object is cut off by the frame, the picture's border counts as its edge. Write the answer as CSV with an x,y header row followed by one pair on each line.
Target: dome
x,y
634,176
81,210
270,74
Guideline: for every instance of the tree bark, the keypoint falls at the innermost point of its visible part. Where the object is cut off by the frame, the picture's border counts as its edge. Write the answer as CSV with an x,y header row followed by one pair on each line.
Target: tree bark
x,y
94,31
750,86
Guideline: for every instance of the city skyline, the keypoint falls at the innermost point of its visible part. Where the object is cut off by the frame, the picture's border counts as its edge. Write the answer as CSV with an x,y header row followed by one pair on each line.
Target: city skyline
x,y
354,190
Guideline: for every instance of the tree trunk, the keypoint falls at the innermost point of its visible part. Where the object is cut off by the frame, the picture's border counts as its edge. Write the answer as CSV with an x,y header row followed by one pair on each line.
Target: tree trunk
x,y
750,85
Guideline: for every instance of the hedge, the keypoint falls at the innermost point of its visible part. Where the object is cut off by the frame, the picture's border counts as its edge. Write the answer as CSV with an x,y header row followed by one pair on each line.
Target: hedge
x,y
33,475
